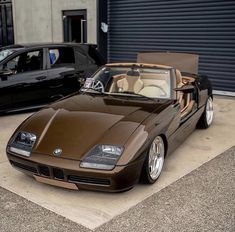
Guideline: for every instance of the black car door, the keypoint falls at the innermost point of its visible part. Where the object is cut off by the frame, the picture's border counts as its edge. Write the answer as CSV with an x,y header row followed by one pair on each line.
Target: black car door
x,y
88,60
27,72
5,96
61,71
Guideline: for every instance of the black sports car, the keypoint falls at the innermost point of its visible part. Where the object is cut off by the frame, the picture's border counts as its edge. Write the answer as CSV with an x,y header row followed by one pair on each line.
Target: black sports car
x,y
32,75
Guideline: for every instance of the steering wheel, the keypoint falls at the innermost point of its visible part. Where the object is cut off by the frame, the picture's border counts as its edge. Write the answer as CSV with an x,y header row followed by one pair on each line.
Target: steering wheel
x,y
98,85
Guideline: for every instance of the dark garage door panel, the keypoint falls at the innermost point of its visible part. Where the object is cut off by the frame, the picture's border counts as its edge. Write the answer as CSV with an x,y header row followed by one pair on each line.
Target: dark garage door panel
x,y
203,27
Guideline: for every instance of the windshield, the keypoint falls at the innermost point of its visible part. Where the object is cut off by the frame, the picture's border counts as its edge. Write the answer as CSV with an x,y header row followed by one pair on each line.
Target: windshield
x,y
5,53
138,81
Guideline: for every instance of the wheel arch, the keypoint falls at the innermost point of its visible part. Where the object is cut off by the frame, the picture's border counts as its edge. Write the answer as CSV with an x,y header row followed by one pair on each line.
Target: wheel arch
x,y
165,143
143,178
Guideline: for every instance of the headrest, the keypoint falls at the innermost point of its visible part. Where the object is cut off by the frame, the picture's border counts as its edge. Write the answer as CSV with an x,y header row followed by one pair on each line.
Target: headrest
x,y
178,76
133,73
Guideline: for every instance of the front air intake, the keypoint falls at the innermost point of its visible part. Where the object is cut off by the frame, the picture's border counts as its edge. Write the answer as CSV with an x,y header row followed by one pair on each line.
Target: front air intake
x,y
88,180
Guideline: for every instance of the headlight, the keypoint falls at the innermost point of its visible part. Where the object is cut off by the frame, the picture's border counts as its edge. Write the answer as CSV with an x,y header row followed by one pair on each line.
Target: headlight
x,y
102,157
23,143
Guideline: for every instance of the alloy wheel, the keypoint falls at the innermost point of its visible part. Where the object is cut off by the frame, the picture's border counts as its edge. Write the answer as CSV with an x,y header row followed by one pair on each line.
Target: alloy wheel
x,y
156,157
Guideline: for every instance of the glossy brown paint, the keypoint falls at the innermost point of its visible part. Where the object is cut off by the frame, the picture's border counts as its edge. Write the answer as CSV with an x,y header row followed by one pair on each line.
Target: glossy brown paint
x,y
120,178
78,123
82,121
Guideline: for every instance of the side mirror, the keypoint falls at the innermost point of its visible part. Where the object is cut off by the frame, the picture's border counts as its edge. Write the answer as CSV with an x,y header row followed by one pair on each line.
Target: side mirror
x,y
186,89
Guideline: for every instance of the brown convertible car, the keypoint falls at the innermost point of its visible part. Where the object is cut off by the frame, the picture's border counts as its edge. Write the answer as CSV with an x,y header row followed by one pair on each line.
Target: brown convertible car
x,y
119,128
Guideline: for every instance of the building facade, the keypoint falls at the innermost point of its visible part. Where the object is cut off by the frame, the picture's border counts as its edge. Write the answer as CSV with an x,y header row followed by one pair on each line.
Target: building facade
x,y
122,28
44,20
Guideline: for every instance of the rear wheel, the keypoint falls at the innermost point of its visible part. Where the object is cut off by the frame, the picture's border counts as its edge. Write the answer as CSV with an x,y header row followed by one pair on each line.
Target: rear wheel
x,y
154,161
207,117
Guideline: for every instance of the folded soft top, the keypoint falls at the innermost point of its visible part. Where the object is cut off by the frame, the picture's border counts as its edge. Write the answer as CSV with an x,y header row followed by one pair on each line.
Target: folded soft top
x,y
183,61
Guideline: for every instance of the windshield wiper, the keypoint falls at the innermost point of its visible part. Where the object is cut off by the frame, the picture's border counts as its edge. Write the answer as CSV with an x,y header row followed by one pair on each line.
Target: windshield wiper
x,y
134,94
139,95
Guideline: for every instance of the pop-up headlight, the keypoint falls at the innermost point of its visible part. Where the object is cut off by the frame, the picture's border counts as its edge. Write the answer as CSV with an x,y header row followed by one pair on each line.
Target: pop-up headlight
x,y
23,143
102,157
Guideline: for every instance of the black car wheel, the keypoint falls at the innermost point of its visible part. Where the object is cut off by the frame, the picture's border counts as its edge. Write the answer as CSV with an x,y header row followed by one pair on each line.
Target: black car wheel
x,y
154,162
208,114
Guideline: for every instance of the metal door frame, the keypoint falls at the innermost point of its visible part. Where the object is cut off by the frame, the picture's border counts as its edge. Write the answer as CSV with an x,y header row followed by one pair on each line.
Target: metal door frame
x,y
6,22
67,25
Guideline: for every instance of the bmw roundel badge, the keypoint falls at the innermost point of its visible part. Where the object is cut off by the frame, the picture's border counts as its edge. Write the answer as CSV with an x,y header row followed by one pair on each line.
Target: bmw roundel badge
x,y
57,152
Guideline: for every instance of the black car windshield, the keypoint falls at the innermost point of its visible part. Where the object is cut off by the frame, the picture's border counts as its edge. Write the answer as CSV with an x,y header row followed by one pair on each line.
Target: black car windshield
x,y
5,53
131,80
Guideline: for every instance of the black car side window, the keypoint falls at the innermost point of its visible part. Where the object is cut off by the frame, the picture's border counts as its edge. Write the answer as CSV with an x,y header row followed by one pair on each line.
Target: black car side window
x,y
61,56
28,61
12,65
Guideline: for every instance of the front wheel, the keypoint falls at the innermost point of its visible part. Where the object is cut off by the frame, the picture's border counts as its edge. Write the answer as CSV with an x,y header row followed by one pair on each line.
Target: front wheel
x,y
207,117
153,164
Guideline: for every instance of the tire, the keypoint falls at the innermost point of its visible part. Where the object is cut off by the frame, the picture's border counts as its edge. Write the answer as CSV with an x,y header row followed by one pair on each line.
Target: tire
x,y
154,161
207,116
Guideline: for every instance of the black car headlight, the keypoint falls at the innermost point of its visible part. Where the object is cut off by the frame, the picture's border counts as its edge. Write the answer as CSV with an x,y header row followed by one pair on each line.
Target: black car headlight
x,y
102,157
23,143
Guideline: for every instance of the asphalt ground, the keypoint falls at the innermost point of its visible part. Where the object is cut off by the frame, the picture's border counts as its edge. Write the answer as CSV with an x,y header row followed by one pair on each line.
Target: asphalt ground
x,y
203,200
93,209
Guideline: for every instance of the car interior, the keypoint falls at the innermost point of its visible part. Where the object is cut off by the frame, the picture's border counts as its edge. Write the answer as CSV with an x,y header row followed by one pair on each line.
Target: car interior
x,y
60,56
28,61
155,85
186,100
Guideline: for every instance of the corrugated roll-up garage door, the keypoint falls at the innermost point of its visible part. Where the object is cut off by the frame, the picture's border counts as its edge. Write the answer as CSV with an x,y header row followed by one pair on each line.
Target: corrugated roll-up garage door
x,y
205,27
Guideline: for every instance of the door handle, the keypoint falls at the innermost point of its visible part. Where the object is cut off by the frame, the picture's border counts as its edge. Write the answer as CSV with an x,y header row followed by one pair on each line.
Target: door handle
x,y
41,78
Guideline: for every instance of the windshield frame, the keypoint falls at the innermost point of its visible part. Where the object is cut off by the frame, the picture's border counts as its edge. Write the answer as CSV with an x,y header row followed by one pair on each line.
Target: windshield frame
x,y
11,52
171,78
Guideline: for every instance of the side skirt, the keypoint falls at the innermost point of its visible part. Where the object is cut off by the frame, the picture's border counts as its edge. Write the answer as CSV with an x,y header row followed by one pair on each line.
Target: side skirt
x,y
185,129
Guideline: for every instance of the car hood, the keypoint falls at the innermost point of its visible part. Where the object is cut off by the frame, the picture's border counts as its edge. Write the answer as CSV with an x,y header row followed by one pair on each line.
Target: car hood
x,y
78,123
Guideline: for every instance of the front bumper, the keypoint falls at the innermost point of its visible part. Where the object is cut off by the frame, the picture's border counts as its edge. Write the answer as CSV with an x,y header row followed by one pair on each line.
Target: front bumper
x,y
58,171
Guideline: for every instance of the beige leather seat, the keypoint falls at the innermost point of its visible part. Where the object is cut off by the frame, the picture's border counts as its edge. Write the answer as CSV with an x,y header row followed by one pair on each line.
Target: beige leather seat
x,y
130,84
151,91
188,109
179,82
185,100
179,94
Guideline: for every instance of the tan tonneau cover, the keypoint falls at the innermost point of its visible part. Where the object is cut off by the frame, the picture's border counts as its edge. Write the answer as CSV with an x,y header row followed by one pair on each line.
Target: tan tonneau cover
x,y
182,61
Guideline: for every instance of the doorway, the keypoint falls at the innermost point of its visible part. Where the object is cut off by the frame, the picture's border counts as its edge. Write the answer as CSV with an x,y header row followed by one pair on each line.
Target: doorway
x,y
6,23
75,26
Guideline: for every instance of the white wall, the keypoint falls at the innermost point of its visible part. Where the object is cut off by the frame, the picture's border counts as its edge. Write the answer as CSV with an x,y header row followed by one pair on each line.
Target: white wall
x,y
42,21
